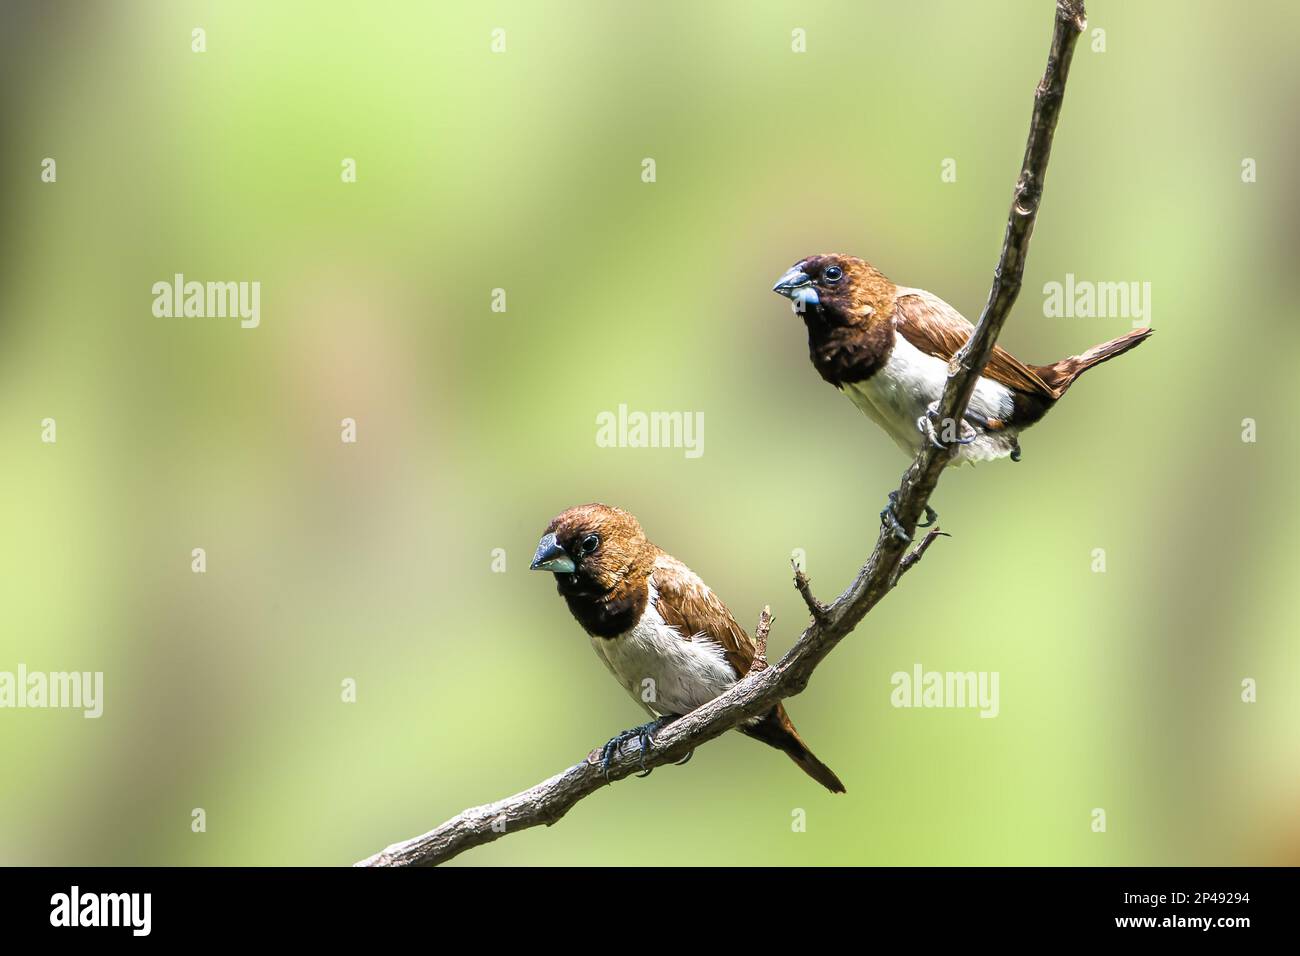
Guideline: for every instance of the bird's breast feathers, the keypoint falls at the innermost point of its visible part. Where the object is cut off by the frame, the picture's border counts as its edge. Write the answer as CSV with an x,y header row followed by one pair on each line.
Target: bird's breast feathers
x,y
665,670
901,391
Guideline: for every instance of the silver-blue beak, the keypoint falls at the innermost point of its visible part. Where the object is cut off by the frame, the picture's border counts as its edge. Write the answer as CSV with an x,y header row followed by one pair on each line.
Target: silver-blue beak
x,y
796,286
551,557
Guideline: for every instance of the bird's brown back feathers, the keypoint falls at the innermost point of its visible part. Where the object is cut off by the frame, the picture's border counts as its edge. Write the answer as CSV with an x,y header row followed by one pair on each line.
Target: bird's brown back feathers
x,y
686,603
937,329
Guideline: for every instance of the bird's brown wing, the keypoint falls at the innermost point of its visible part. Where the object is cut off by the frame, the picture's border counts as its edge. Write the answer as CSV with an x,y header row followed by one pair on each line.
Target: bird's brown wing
x,y
686,603
936,328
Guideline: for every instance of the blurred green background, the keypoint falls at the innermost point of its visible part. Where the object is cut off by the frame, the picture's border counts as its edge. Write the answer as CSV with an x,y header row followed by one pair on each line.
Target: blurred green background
x,y
522,170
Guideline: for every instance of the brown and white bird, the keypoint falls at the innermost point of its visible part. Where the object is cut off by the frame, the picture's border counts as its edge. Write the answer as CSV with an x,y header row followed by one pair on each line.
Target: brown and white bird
x,y
887,348
666,638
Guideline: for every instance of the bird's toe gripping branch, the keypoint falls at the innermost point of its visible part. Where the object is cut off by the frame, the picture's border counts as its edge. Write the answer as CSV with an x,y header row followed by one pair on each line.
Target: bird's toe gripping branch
x,y
889,518
644,736
939,432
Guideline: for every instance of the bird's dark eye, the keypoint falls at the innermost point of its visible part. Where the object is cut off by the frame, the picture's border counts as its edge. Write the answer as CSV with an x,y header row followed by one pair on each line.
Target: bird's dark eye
x,y
833,274
590,543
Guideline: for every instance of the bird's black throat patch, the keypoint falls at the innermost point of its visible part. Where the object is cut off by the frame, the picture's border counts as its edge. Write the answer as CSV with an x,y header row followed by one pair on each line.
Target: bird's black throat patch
x,y
602,613
844,353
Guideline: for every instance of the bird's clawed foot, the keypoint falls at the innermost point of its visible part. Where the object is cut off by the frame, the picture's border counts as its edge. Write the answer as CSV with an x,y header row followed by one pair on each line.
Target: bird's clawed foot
x,y
935,429
888,519
643,735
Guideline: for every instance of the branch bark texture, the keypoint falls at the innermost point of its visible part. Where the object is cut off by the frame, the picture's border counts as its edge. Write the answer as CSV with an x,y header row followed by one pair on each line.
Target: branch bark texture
x,y
549,800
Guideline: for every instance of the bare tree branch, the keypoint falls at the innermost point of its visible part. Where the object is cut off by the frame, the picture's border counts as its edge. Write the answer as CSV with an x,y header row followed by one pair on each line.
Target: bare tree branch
x,y
549,800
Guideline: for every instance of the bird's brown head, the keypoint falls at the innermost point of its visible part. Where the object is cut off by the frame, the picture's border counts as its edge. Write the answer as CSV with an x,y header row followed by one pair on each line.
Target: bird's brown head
x,y
837,290
601,561
848,306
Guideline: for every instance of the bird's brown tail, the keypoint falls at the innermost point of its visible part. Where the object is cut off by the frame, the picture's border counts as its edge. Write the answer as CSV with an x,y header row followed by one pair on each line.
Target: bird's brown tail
x,y
1061,375
775,730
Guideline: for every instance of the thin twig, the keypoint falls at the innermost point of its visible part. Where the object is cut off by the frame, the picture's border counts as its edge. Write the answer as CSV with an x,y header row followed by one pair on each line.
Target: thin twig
x,y
801,584
764,628
759,690
916,554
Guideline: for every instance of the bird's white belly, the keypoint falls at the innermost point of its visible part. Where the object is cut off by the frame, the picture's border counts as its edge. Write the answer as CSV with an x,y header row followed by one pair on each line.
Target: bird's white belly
x,y
663,671
900,392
